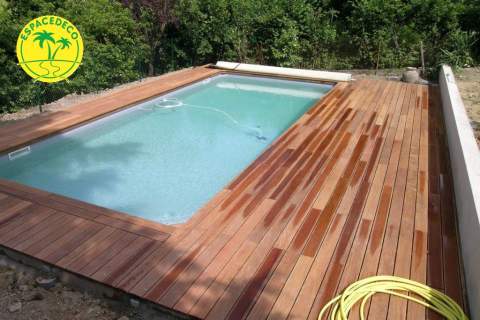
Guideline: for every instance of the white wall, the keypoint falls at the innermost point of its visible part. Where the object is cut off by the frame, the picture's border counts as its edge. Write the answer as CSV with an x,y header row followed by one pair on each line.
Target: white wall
x,y
465,161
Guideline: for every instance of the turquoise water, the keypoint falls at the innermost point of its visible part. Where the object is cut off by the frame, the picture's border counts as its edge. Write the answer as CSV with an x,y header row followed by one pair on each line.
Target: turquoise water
x,y
163,159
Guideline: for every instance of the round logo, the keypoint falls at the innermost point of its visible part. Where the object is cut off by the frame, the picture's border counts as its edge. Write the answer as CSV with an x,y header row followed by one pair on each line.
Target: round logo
x,y
49,48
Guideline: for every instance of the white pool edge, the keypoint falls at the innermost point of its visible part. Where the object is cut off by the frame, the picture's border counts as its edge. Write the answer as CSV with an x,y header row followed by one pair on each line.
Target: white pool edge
x,y
465,162
289,72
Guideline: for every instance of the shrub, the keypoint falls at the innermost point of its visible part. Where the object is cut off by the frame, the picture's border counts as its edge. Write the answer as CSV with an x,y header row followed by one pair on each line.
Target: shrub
x,y
113,52
125,40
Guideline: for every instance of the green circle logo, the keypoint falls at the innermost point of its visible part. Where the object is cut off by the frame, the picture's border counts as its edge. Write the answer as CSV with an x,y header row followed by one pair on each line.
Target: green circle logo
x,y
49,48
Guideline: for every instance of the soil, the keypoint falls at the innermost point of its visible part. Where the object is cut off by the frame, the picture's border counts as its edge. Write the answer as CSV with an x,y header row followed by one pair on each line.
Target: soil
x,y
468,81
22,299
382,74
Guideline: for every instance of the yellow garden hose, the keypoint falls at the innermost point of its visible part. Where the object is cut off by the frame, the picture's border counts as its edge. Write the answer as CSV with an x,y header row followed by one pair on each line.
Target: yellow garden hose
x,y
400,287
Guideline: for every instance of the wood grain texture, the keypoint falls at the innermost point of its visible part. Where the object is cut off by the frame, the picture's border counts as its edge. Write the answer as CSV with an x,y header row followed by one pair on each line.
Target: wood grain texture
x,y
359,185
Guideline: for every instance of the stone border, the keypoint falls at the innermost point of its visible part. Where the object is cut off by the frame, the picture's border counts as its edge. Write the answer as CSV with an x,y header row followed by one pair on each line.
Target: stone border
x,y
465,162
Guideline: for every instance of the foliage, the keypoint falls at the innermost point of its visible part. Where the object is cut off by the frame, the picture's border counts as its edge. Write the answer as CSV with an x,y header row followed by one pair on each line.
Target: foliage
x,y
322,33
113,52
153,17
276,32
469,21
128,39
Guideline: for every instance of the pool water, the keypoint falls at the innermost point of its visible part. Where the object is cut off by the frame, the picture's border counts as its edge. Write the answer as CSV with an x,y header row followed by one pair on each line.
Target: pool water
x,y
163,159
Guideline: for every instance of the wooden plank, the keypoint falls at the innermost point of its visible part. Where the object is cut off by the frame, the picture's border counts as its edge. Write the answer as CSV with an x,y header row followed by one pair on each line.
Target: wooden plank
x,y
418,269
110,252
11,212
330,241
91,254
56,250
238,248
121,260
148,269
24,222
371,232
255,286
85,246
398,307
302,306
140,230
36,232
113,214
81,209
396,213
57,230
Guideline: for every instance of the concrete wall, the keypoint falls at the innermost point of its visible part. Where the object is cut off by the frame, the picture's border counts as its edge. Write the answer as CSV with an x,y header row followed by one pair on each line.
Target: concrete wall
x,y
465,159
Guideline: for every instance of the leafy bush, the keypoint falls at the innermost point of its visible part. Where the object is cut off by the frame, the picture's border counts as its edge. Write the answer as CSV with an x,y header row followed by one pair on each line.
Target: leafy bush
x,y
469,22
321,34
389,33
113,52
125,40
277,32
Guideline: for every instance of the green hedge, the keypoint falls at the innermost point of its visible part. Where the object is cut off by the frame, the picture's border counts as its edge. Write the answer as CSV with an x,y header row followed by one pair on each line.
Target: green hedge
x,y
114,50
325,34
129,39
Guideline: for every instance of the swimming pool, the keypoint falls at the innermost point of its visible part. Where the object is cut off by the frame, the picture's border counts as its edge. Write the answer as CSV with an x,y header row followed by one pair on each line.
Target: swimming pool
x,y
163,159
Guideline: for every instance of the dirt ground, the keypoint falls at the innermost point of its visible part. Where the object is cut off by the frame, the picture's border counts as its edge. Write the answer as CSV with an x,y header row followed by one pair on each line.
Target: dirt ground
x,y
382,74
468,81
22,299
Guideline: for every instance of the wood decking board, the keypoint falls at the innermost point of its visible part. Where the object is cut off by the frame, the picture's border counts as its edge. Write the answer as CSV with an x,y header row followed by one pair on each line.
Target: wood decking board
x,y
359,185
314,276
315,217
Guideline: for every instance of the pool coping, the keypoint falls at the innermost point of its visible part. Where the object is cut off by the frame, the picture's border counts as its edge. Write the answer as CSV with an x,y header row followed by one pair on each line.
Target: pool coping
x,y
194,75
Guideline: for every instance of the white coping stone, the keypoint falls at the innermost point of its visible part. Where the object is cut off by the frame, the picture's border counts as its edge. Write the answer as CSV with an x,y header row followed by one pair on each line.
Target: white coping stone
x,y
299,73
465,161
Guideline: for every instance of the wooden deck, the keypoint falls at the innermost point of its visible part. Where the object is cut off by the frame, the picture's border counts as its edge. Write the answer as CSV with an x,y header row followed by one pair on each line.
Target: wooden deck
x,y
360,185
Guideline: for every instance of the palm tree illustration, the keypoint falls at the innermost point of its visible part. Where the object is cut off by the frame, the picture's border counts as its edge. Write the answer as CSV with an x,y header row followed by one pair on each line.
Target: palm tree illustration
x,y
43,37
63,43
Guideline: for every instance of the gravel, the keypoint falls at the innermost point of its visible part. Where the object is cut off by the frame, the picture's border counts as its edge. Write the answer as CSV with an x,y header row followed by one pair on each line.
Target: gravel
x,y
22,299
468,81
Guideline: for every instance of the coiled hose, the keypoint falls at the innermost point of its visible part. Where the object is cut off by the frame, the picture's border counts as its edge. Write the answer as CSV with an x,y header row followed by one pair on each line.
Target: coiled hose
x,y
400,287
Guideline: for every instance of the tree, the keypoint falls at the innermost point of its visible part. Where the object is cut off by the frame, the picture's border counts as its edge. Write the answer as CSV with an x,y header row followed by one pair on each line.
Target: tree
x,y
128,39
153,17
112,55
